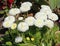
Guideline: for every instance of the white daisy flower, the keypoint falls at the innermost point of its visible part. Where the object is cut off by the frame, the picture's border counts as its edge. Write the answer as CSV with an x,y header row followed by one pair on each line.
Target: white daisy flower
x,y
53,16
25,8
13,26
20,18
7,24
14,11
41,15
18,39
49,23
26,3
45,9
30,20
39,23
23,27
10,18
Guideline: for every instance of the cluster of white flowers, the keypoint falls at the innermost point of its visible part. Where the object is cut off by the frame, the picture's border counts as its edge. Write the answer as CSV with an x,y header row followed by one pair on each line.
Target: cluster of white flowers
x,y
45,17
25,6
9,22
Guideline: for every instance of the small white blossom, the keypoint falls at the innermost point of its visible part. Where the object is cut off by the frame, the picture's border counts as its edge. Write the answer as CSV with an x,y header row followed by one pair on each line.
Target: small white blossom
x,y
18,39
49,23
23,27
53,16
7,24
14,11
10,18
45,9
26,3
39,23
41,15
25,8
20,18
30,21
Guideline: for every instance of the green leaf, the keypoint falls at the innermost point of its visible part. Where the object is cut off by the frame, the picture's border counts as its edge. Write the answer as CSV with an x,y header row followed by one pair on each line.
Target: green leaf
x,y
27,44
55,28
8,43
37,35
37,0
52,4
6,32
58,3
41,2
1,39
2,12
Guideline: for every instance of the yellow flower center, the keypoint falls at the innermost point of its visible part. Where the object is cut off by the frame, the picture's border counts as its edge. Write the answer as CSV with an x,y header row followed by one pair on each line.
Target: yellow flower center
x,y
38,21
22,26
7,23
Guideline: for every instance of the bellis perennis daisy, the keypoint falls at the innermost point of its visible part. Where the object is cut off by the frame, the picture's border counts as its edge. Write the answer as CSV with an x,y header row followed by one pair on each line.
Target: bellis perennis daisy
x,y
26,6
53,16
7,24
30,21
14,11
18,39
41,15
39,23
49,23
45,9
10,18
22,26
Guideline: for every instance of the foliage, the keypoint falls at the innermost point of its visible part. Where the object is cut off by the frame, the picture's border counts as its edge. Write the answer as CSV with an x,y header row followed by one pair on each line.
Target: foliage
x,y
42,36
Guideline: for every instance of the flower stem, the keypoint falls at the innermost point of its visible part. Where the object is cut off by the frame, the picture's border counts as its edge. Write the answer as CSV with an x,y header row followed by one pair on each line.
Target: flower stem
x,y
10,34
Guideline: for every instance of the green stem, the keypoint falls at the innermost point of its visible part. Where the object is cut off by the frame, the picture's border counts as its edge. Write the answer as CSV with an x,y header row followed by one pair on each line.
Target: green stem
x,y
10,33
27,14
17,32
